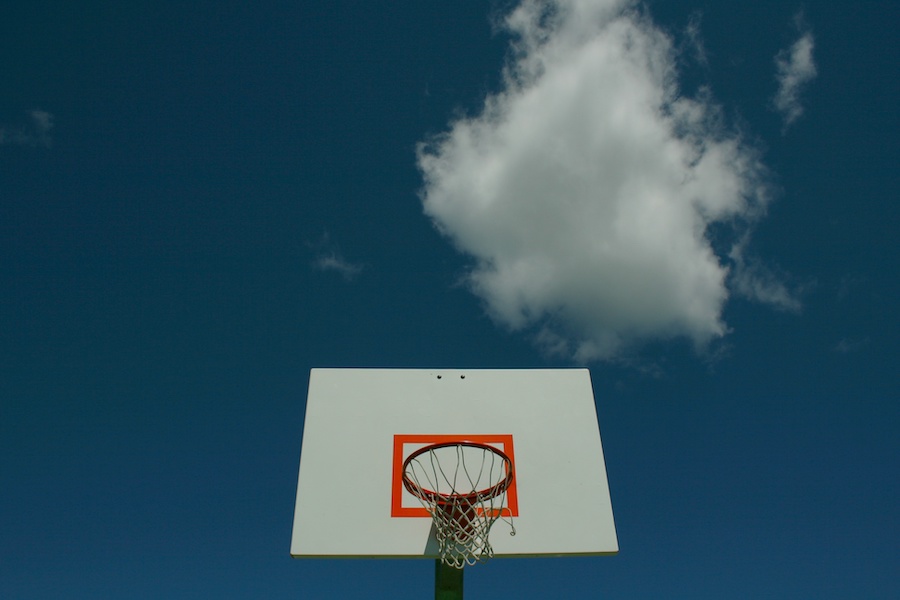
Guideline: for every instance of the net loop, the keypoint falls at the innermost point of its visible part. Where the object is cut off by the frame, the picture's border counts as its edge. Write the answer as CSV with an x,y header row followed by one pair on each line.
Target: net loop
x,y
462,485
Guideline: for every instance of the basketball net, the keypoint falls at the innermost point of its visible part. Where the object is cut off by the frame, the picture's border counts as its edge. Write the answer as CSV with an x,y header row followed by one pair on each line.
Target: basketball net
x,y
463,487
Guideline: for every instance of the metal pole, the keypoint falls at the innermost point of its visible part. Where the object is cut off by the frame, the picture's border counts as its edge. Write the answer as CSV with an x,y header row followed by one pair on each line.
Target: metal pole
x,y
448,582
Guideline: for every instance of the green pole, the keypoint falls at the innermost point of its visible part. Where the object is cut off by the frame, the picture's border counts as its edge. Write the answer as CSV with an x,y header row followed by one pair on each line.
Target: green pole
x,y
448,582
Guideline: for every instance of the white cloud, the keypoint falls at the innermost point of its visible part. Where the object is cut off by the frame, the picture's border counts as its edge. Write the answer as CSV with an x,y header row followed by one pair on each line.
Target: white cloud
x,y
585,189
37,134
795,68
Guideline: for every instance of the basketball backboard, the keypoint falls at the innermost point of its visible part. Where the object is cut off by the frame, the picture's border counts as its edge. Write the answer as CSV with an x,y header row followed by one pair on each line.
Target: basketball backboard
x,y
361,424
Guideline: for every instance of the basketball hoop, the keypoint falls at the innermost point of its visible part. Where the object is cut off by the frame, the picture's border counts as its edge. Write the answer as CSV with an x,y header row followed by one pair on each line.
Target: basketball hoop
x,y
462,485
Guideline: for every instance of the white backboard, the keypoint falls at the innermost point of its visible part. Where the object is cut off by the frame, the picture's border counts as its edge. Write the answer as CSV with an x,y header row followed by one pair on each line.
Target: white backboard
x,y
361,423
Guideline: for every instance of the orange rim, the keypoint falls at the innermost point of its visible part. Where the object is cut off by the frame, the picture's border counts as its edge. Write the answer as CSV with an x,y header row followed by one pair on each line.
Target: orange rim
x,y
441,498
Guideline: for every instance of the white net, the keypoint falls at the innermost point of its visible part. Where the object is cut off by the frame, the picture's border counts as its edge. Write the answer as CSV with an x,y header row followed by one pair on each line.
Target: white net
x,y
463,486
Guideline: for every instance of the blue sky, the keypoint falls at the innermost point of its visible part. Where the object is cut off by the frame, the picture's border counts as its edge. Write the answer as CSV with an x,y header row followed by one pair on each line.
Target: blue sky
x,y
200,202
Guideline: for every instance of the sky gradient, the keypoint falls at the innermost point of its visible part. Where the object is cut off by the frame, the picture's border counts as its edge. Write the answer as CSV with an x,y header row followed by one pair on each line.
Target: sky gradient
x,y
200,202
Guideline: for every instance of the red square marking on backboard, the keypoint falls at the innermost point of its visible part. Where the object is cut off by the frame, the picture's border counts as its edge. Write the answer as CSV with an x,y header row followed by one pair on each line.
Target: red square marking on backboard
x,y
504,441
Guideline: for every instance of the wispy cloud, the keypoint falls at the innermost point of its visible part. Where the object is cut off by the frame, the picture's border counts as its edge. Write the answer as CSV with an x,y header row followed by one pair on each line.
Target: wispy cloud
x,y
586,189
328,258
754,280
795,68
333,262
694,40
37,133
849,345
